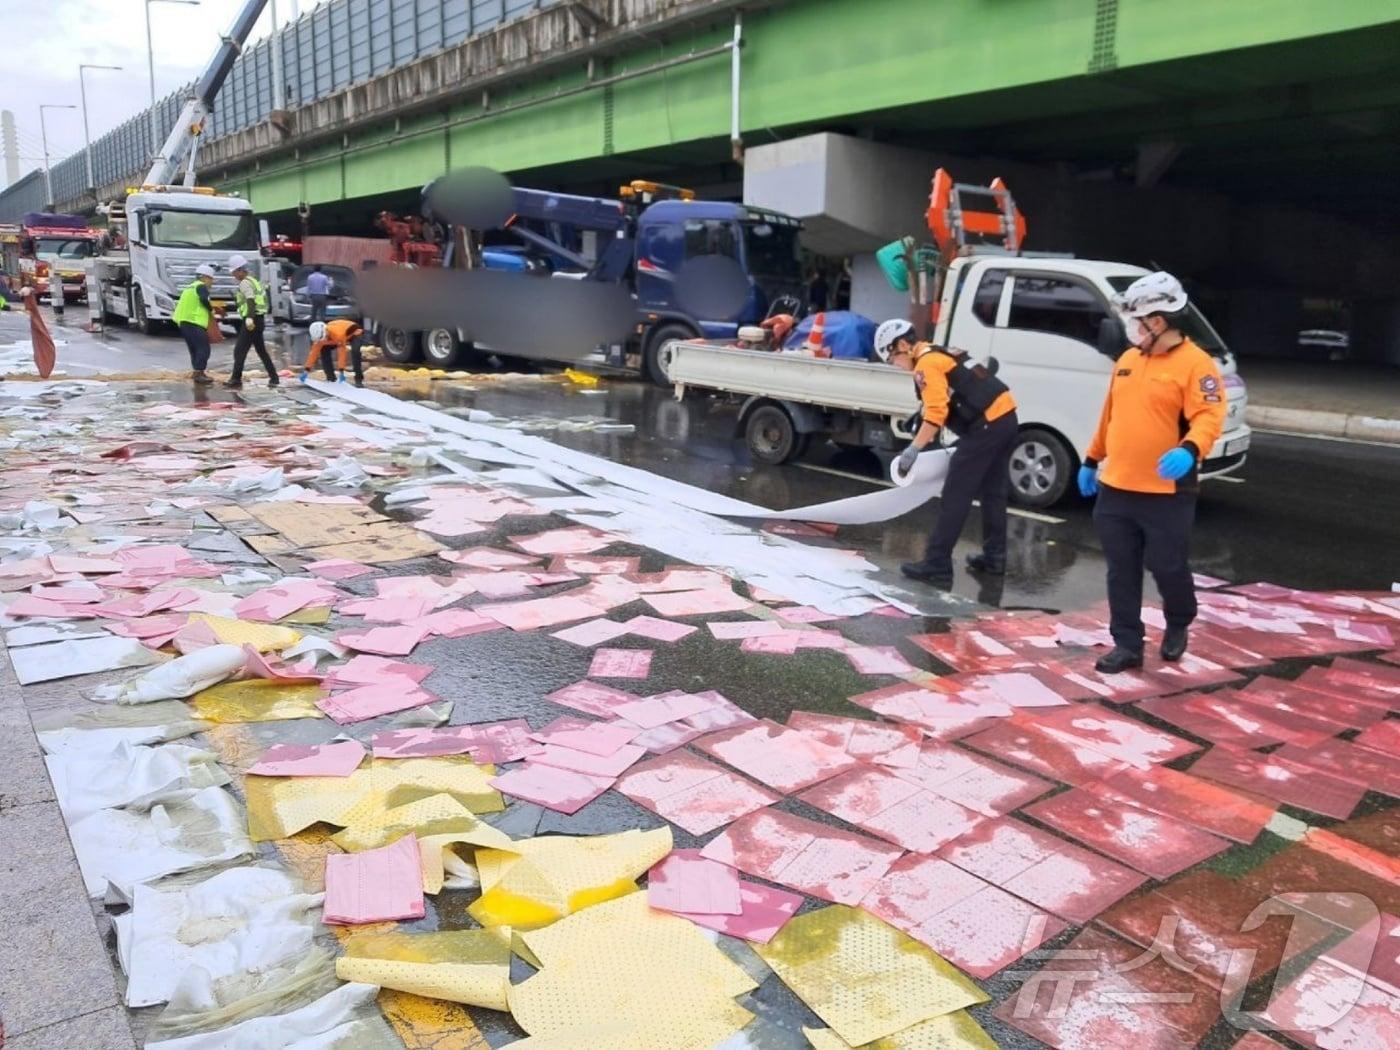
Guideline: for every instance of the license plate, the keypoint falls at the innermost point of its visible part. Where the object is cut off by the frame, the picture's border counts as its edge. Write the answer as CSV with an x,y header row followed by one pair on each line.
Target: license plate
x,y
1240,444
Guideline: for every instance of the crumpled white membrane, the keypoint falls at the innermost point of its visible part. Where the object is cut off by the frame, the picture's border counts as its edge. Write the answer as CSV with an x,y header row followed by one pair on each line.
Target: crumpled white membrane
x,y
200,944
181,677
345,1019
675,518
119,848
169,719
64,659
93,774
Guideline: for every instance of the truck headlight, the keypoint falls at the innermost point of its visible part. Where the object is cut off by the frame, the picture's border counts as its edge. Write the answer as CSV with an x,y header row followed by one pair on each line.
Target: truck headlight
x,y
164,301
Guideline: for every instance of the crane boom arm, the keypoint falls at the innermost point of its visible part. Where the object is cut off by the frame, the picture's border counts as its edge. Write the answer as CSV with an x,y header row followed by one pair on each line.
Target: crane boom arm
x,y
183,140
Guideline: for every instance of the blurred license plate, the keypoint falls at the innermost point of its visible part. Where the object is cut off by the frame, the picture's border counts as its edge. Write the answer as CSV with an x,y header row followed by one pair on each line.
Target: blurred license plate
x,y
1240,444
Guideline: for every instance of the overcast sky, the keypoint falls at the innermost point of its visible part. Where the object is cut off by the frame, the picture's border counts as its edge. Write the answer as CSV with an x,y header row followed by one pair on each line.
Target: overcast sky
x,y
45,42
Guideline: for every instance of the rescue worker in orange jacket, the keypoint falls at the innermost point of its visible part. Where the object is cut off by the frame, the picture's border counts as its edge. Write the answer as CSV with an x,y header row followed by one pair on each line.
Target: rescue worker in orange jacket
x,y
1165,409
974,404
345,336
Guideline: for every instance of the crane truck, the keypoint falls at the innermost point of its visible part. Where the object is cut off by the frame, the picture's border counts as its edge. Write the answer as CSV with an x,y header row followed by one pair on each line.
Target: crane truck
x,y
169,229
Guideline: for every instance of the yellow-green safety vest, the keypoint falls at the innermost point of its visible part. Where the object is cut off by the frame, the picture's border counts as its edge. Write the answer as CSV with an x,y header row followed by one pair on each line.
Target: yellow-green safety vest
x,y
259,297
189,309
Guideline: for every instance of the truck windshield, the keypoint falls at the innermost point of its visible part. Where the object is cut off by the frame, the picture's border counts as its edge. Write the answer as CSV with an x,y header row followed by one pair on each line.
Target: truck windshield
x,y
772,250
202,229
1194,325
54,249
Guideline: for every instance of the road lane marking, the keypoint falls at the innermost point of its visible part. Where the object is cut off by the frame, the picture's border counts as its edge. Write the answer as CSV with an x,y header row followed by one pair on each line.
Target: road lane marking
x,y
1033,515
1325,437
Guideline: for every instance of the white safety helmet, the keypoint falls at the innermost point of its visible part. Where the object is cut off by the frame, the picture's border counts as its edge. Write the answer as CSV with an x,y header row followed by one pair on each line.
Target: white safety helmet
x,y
317,331
1157,293
889,333
237,262
204,270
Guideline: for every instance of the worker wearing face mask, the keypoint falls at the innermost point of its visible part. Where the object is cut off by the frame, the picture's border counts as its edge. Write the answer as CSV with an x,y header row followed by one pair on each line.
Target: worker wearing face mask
x,y
966,397
1165,409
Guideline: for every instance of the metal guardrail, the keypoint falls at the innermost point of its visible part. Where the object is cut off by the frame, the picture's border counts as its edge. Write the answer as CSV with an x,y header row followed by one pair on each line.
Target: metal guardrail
x,y
332,46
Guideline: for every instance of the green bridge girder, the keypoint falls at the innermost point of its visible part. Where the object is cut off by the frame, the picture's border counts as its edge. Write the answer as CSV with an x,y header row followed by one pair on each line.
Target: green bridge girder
x,y
1041,79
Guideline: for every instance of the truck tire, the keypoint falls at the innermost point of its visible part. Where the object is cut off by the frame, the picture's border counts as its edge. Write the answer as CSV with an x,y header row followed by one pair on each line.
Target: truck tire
x,y
1041,468
443,349
138,312
771,436
654,356
399,345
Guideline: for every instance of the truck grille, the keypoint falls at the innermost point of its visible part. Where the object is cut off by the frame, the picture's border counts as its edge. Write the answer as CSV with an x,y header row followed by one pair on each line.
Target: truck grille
x,y
181,273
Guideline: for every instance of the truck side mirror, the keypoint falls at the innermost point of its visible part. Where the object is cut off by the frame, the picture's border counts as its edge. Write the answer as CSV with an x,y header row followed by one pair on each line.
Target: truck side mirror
x,y
1112,338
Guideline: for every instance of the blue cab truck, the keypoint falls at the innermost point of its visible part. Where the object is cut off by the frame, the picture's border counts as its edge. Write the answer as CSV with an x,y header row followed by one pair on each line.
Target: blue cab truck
x,y
641,239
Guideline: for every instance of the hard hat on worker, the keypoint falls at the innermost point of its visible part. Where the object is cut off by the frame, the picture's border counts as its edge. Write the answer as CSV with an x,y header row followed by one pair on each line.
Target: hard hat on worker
x,y
889,333
317,331
237,262
204,270
1157,293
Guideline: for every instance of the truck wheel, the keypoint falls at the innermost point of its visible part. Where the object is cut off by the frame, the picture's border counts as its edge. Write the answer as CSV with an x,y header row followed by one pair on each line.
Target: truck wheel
x,y
1040,468
443,349
771,436
654,358
399,344
138,310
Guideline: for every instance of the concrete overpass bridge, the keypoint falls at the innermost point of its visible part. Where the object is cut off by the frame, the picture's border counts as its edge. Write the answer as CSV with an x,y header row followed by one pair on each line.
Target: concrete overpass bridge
x,y
1248,144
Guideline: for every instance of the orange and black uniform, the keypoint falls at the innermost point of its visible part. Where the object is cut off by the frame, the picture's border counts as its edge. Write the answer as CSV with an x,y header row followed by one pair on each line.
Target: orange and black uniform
x,y
971,402
1156,402
345,336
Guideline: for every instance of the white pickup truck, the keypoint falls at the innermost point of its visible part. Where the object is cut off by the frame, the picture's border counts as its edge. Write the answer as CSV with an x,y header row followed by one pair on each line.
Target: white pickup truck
x,y
1047,322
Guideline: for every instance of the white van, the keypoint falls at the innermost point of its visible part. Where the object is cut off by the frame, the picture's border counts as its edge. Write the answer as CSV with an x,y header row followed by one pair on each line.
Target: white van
x,y
1046,321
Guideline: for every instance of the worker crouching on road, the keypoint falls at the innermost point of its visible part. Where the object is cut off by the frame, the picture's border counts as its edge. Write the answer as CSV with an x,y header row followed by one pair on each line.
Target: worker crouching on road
x,y
345,337
192,315
1165,409
975,405
251,299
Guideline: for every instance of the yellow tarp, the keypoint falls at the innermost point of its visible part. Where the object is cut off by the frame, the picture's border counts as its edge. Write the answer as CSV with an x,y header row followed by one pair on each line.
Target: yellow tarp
x,y
955,1031
264,637
543,879
282,806
257,700
461,966
863,977
636,978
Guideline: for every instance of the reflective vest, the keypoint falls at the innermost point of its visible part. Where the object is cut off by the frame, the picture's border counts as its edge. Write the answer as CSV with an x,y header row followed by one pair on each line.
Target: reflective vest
x,y
189,310
259,297
958,392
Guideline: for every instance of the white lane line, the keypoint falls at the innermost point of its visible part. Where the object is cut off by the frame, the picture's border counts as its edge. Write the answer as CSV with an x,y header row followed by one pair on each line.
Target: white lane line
x,y
1020,513
1231,480
1324,437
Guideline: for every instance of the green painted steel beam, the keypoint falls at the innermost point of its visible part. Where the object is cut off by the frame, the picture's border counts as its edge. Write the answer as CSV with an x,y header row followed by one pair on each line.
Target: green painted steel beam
x,y
993,72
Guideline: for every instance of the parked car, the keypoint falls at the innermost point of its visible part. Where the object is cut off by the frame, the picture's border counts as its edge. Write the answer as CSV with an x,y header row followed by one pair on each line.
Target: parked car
x,y
341,303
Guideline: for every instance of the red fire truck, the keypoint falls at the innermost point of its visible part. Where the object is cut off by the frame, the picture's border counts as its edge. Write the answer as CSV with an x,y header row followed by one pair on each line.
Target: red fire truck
x,y
52,244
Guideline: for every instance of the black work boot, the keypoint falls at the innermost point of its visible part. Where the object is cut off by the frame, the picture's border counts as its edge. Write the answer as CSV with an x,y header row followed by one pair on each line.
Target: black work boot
x,y
1174,643
988,565
1118,659
935,575
274,381
234,384
201,378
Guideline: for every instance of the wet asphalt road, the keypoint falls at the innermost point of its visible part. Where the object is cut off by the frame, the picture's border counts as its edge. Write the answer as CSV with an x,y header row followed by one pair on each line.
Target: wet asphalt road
x,y
1309,514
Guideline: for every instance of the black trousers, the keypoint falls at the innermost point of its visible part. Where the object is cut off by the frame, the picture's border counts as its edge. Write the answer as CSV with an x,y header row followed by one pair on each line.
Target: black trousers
x,y
357,361
197,339
318,307
251,341
978,471
1146,530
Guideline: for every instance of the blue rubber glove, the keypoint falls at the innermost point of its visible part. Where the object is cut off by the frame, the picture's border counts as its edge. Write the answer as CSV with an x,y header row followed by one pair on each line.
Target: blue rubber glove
x,y
340,377
907,458
1176,463
1088,481
305,375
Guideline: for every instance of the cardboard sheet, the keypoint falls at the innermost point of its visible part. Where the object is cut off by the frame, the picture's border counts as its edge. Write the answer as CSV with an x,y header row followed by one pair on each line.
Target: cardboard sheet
x,y
863,977
622,963
620,663
903,813
687,882
371,701
562,790
336,759
460,966
787,760
601,701
762,912
543,879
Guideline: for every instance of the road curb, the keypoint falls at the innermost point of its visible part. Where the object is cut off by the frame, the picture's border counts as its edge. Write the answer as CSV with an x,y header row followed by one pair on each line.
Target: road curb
x,y
1355,426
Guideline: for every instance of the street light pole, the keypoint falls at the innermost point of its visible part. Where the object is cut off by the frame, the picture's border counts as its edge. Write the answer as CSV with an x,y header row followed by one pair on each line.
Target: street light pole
x,y
151,67
44,134
87,138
